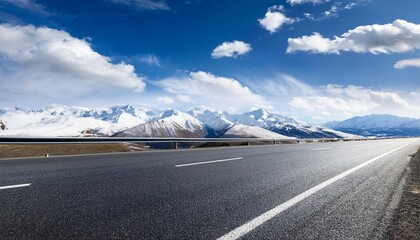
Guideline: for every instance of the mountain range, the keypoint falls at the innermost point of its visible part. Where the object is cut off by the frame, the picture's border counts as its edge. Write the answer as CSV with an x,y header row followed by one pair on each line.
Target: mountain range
x,y
122,121
378,125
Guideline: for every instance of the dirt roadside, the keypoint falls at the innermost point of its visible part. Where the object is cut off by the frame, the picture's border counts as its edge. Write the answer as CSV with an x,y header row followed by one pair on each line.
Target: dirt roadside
x,y
39,150
406,221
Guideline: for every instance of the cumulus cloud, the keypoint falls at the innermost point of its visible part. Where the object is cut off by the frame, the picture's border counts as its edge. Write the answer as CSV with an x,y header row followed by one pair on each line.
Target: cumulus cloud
x,y
275,18
49,62
397,37
294,97
355,100
207,89
144,4
414,62
231,49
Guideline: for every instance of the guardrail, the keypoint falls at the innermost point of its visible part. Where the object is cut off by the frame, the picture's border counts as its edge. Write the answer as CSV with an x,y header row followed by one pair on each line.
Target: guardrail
x,y
174,141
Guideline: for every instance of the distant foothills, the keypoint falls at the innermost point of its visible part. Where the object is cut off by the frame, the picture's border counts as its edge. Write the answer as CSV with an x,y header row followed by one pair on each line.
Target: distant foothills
x,y
201,122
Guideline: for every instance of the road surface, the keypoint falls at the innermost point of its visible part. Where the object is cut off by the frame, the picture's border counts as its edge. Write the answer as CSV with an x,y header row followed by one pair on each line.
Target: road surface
x,y
342,190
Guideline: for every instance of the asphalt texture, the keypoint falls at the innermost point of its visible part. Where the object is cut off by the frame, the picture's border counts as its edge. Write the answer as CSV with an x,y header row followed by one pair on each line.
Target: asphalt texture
x,y
145,196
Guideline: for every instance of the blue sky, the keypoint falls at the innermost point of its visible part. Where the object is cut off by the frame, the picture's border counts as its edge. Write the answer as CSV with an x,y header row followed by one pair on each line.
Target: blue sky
x,y
314,60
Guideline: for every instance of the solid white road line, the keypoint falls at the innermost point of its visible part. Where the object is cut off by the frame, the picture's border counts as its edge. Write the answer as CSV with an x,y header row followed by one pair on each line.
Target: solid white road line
x,y
254,223
319,149
15,186
207,162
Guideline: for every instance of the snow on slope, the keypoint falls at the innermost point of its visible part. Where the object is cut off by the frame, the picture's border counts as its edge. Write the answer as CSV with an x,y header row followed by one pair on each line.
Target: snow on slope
x,y
283,125
413,124
59,120
114,114
214,120
171,123
379,125
260,118
375,121
240,130
341,134
306,131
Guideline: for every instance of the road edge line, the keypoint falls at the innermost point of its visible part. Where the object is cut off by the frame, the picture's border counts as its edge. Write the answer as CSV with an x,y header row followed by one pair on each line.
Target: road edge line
x,y
261,219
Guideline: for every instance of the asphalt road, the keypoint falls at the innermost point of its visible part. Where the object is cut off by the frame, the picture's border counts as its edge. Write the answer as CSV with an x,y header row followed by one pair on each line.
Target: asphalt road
x,y
343,190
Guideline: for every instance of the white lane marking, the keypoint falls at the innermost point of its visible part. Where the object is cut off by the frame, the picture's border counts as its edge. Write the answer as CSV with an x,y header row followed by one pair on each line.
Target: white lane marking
x,y
254,223
207,162
319,149
15,186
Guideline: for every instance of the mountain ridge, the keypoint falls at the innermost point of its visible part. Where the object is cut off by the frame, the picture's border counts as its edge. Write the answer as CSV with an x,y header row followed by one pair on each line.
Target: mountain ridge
x,y
127,120
380,125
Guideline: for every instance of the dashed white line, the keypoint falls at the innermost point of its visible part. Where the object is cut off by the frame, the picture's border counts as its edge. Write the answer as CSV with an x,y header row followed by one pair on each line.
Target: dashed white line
x,y
16,186
254,223
207,162
319,149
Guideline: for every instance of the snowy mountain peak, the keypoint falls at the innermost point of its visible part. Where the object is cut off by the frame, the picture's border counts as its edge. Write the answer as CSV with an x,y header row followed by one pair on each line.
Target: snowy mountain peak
x,y
61,110
170,113
259,114
171,123
201,109
215,121
127,120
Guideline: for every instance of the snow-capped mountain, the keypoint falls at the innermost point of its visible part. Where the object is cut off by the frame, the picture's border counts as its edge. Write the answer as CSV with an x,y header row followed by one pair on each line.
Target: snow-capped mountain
x,y
118,113
379,125
307,131
171,123
260,118
284,125
215,122
59,120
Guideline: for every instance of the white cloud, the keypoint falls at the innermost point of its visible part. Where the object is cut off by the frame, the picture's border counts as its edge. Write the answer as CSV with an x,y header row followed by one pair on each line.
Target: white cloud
x,y
29,5
150,60
397,37
283,85
294,97
231,49
347,101
275,18
184,98
296,2
165,100
314,43
350,5
414,62
334,9
47,62
145,4
207,89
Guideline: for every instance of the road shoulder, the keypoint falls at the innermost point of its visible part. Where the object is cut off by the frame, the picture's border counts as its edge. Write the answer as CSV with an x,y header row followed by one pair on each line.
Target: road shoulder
x,y
406,221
